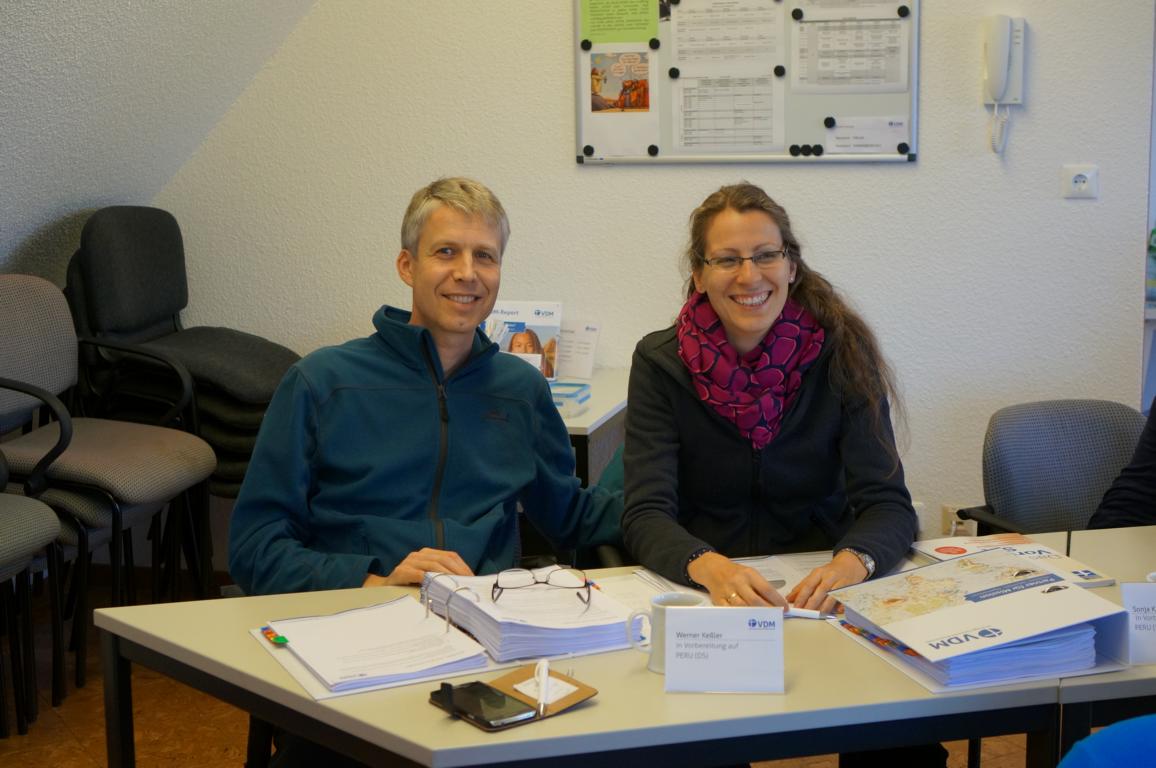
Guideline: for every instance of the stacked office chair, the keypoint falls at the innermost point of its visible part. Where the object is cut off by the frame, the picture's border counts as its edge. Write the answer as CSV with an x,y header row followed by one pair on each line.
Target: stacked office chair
x,y
1047,465
102,477
27,529
127,283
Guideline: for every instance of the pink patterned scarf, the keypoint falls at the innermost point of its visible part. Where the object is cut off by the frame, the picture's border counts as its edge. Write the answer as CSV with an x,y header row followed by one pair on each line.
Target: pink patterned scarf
x,y
753,391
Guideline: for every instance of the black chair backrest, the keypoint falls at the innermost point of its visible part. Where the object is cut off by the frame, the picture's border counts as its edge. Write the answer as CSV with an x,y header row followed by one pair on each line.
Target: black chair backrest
x,y
127,281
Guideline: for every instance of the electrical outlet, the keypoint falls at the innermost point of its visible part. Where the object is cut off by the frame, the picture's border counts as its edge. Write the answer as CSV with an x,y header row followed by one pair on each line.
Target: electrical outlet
x,y
949,519
1080,180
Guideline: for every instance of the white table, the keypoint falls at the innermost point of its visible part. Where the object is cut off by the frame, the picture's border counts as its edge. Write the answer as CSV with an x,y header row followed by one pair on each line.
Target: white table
x,y
839,697
598,431
1129,554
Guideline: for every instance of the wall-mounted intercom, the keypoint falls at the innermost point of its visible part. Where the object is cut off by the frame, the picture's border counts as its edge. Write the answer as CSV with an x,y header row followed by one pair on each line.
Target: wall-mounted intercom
x,y
1002,59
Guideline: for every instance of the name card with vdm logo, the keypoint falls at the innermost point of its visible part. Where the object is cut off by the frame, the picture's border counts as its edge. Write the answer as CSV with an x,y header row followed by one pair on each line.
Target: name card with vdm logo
x,y
1140,601
724,650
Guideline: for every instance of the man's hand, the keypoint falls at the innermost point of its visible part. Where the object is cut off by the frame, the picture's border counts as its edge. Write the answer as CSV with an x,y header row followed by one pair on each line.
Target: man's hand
x,y
413,568
811,592
733,584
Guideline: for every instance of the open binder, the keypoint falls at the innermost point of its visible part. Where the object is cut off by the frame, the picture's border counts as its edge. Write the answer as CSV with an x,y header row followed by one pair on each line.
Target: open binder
x,y
539,620
983,619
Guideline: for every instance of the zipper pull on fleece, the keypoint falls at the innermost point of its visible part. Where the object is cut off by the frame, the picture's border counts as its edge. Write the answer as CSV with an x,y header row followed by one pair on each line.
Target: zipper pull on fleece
x,y
442,403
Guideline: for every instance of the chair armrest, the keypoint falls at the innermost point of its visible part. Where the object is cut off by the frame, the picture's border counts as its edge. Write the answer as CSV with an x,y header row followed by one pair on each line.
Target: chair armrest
x,y
986,517
167,360
610,556
37,481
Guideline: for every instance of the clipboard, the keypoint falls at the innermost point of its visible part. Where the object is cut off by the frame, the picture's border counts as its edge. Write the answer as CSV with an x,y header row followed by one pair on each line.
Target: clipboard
x,y
506,684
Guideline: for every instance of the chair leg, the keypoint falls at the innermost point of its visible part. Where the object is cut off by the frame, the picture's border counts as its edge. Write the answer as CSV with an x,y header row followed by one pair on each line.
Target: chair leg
x,y
6,625
59,689
116,559
24,620
80,613
16,652
156,536
192,544
129,568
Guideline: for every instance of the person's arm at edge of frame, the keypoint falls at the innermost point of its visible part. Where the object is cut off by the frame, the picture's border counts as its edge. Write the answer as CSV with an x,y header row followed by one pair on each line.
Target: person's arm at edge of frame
x,y
567,514
1131,499
269,525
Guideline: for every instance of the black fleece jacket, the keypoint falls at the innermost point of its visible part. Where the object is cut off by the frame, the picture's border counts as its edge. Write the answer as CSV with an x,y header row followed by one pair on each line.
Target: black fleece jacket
x,y
693,481
1131,500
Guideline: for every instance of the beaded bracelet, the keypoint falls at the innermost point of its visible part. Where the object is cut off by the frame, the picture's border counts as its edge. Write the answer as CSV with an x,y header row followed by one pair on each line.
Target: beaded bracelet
x,y
695,556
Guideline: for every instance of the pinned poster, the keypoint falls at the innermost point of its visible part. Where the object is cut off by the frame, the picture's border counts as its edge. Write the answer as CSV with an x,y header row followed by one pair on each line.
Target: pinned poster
x,y
619,21
620,117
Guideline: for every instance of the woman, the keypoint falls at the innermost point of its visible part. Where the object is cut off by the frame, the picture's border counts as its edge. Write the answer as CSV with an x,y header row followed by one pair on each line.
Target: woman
x,y
759,423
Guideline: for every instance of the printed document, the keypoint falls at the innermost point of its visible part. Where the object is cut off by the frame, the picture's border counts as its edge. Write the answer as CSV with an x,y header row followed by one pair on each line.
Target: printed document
x,y
379,644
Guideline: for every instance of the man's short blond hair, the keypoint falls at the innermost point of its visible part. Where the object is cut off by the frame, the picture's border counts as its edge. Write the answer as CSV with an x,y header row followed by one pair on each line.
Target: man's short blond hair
x,y
464,195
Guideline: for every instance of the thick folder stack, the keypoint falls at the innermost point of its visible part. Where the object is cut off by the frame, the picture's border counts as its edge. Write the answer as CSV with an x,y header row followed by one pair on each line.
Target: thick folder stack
x,y
530,622
987,618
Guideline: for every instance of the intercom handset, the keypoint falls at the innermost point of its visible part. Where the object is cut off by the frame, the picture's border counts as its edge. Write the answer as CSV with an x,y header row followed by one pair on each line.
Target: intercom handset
x,y
1003,72
997,33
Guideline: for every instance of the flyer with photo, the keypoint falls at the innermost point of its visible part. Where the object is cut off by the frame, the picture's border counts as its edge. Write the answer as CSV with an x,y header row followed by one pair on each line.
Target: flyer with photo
x,y
529,329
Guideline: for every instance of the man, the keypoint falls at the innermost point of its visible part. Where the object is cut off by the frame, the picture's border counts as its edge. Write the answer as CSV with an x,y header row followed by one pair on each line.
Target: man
x,y
406,452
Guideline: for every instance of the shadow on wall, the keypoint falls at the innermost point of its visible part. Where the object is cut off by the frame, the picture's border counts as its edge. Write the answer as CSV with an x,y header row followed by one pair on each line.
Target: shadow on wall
x,y
45,253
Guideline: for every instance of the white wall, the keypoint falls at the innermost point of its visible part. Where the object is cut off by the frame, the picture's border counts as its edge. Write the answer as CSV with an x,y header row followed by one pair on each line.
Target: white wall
x,y
985,287
101,103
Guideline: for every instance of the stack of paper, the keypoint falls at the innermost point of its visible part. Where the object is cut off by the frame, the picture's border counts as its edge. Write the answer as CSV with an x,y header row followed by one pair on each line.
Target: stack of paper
x,y
533,621
958,546
379,644
986,618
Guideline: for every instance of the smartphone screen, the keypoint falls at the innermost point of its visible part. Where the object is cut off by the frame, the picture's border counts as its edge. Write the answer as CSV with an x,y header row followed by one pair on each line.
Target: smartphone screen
x,y
484,705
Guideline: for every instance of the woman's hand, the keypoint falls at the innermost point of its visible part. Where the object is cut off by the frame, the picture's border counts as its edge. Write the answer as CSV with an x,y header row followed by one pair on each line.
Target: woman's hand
x,y
413,568
733,584
843,571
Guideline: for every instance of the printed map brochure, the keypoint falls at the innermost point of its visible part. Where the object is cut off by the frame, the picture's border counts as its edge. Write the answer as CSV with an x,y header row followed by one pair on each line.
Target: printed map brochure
x,y
987,618
957,546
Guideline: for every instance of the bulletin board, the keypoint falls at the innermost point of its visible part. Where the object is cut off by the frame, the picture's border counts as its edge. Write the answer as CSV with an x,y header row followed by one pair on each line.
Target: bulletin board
x,y
746,81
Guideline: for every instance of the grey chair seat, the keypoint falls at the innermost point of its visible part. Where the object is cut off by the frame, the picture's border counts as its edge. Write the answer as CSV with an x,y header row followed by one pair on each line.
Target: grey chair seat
x,y
26,527
136,463
243,366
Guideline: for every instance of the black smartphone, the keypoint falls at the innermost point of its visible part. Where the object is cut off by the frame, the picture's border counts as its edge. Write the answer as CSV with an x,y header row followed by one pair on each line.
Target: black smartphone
x,y
482,705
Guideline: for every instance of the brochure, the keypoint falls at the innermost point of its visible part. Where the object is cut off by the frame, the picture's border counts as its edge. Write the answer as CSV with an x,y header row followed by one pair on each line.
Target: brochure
x,y
530,330
958,546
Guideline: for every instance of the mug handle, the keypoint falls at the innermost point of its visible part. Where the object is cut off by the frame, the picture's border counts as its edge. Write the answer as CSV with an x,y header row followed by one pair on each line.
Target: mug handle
x,y
634,641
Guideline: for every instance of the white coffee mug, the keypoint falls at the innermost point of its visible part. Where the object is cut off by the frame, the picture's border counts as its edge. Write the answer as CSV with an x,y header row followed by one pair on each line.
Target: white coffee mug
x,y
657,618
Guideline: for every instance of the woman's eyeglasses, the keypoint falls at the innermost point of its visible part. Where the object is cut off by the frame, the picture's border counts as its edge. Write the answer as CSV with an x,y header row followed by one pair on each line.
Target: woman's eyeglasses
x,y
762,260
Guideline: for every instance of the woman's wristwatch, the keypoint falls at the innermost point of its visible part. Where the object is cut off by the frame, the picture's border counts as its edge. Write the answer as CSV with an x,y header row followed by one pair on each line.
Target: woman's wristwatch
x,y
866,559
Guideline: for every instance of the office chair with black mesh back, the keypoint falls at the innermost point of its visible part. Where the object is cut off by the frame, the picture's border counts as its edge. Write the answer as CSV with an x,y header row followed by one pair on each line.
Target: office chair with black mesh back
x,y
127,283
100,474
1046,465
